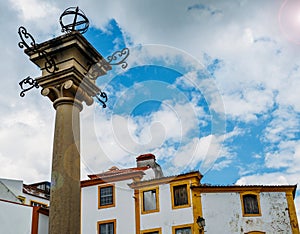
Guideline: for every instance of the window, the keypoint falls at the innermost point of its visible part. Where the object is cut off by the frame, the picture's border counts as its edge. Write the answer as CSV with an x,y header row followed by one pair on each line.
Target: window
x,y
183,229
107,227
255,232
152,231
186,230
180,196
150,200
39,204
45,187
106,196
250,204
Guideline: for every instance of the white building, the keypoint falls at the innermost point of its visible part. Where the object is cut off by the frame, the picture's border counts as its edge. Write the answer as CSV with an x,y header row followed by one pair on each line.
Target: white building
x,y
142,200
37,194
23,208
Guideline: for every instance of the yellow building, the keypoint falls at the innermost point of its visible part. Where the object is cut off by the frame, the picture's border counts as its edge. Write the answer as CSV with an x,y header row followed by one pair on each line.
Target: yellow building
x,y
142,200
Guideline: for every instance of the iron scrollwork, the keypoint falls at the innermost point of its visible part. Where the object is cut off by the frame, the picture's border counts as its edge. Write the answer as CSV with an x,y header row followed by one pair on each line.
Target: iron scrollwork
x,y
27,84
119,57
50,64
25,35
102,98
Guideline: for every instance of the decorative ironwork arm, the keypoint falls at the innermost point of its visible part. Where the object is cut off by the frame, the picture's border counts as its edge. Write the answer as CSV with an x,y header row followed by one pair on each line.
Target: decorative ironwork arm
x,y
27,84
24,35
50,64
102,98
119,57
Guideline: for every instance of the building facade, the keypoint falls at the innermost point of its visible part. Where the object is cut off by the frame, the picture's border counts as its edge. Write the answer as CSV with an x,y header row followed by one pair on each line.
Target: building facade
x,y
141,200
24,208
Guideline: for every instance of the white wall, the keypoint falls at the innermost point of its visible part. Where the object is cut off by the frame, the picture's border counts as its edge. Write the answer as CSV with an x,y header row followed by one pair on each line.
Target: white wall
x,y
223,214
166,217
29,198
16,186
15,218
43,224
123,211
6,194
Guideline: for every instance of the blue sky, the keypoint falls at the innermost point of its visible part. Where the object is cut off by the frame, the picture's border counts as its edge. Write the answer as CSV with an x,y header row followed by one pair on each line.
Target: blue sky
x,y
210,86
161,87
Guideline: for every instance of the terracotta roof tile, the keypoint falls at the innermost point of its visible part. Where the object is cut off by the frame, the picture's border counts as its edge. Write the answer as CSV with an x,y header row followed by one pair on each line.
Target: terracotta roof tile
x,y
114,171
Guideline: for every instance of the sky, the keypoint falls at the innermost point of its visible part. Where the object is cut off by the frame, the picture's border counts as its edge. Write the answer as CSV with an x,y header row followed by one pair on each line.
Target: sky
x,y
210,86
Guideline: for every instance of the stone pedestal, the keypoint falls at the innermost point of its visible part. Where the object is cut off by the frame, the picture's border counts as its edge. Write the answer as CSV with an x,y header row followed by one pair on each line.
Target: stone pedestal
x,y
67,87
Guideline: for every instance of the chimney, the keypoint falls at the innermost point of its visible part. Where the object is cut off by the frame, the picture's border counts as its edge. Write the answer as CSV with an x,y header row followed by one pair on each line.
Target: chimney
x,y
149,160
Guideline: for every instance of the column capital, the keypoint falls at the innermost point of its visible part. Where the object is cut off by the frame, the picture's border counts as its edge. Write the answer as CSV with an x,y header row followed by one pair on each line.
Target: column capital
x,y
67,93
74,57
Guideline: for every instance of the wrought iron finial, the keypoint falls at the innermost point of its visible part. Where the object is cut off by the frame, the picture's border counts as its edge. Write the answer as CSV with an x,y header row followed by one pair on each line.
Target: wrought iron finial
x,y
74,19
102,98
29,43
25,36
119,57
27,84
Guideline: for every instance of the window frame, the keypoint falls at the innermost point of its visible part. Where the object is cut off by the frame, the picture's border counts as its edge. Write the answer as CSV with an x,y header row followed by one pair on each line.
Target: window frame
x,y
173,196
151,230
106,222
44,205
142,199
191,226
255,232
22,199
243,206
113,196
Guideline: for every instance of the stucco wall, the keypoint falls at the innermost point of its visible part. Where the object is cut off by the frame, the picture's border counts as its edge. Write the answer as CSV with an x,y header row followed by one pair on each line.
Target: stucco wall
x,y
29,198
43,224
166,217
123,211
223,214
15,186
15,218
6,194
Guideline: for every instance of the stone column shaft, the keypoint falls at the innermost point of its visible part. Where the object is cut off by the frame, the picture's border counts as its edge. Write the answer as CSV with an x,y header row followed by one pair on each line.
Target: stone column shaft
x,y
65,179
67,86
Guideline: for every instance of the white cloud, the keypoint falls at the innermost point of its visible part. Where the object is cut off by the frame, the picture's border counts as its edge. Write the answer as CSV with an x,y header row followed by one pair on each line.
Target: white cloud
x,y
284,125
258,77
34,9
287,155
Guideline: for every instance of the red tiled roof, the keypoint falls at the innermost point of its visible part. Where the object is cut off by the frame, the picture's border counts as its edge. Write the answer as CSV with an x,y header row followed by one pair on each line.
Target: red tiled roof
x,y
114,171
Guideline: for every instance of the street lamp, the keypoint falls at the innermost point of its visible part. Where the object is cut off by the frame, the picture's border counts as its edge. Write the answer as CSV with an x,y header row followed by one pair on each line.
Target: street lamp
x,y
201,223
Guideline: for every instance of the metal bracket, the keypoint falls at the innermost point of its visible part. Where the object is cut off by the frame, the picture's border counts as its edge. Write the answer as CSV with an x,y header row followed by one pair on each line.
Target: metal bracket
x,y
50,64
117,58
30,83
102,98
